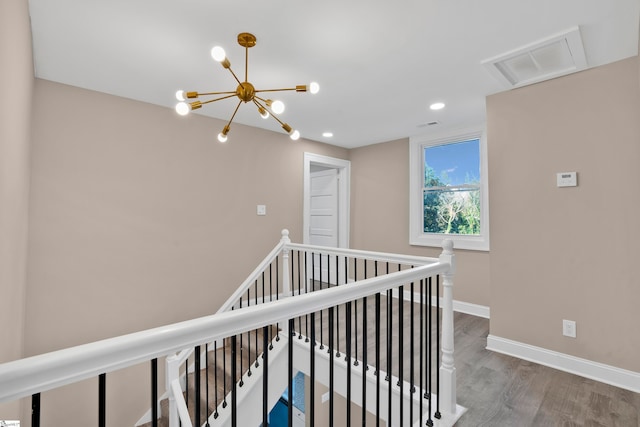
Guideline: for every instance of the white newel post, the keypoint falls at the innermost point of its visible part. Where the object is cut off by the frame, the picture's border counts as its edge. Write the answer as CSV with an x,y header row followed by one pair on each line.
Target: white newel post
x,y
172,373
286,282
447,396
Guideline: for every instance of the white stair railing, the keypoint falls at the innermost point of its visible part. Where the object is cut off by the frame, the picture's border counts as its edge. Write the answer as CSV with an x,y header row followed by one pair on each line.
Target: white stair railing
x,y
44,372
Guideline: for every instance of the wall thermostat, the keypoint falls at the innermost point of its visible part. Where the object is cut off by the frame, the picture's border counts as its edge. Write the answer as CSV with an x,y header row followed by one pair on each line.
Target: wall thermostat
x,y
567,179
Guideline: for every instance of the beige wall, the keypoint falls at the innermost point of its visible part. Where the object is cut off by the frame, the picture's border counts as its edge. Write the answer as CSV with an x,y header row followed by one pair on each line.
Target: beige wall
x,y
141,218
380,216
16,86
568,253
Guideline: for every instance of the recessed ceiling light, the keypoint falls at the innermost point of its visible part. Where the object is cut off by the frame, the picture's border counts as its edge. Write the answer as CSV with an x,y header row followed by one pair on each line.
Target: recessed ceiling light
x,y
327,134
437,106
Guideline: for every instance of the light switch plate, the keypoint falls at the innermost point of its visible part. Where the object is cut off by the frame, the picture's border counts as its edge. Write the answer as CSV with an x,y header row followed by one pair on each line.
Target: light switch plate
x,y
262,210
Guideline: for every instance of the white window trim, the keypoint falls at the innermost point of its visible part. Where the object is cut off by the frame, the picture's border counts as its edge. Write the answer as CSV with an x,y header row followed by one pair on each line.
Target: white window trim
x,y
416,179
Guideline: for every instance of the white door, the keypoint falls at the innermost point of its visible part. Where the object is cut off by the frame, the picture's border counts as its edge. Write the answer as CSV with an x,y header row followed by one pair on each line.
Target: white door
x,y
323,220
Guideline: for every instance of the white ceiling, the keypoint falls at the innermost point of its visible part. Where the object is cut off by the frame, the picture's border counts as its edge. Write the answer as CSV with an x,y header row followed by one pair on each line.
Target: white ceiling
x,y
380,63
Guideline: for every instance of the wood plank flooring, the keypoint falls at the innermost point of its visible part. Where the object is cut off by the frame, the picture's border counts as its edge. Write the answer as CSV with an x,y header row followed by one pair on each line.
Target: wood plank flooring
x,y
505,391
499,390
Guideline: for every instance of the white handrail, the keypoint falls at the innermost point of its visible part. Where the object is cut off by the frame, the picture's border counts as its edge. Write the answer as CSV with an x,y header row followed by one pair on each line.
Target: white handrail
x,y
35,374
379,256
233,299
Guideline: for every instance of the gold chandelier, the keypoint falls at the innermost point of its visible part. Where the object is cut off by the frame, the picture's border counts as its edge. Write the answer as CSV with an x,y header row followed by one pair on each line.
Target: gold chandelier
x,y
245,91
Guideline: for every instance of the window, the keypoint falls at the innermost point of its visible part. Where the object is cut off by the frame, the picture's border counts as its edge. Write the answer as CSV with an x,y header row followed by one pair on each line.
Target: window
x,y
448,191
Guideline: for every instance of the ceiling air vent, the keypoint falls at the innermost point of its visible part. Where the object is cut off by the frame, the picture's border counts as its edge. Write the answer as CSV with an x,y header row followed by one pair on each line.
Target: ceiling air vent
x,y
552,57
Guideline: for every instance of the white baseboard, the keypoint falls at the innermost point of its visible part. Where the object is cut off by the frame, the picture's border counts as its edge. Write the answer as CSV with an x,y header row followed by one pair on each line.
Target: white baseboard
x,y
586,368
460,306
469,308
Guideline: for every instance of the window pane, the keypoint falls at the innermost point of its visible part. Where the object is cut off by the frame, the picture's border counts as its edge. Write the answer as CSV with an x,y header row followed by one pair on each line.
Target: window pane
x,y
452,164
455,211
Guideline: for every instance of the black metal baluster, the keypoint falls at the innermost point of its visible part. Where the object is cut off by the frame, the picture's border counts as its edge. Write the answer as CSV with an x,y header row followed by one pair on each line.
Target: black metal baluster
x,y
265,376
299,293
412,388
256,298
429,349
215,378
337,311
206,375
224,373
154,392
331,366
290,375
312,370
186,381
355,309
321,314
234,388
264,298
330,312
306,290
377,369
277,297
35,410
401,350
102,400
249,362
347,359
241,353
421,346
389,350
196,374
365,366
437,414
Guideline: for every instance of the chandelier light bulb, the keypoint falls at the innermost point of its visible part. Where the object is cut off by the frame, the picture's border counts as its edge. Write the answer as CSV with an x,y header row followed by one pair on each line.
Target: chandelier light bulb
x,y
263,113
295,135
277,107
222,137
182,108
180,95
218,54
314,87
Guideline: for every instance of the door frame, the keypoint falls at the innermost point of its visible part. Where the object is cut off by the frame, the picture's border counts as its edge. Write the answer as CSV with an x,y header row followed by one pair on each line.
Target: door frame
x,y
344,187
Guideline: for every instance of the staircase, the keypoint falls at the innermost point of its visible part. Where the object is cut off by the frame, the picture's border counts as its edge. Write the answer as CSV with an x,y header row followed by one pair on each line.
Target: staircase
x,y
383,394
216,376
383,313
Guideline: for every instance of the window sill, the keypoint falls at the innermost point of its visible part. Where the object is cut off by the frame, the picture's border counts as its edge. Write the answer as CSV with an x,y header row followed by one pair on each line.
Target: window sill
x,y
472,243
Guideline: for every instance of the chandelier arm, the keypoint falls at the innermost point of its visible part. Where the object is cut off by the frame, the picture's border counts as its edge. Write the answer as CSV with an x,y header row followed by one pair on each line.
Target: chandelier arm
x,y
257,103
217,99
234,113
216,93
246,63
277,119
277,90
234,75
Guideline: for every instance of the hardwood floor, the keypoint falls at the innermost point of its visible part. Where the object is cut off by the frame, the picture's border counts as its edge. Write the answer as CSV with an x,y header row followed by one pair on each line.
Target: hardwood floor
x,y
504,391
500,390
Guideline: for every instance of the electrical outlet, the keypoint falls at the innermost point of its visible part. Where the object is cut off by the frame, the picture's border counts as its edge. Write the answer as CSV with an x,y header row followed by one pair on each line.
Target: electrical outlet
x,y
569,328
